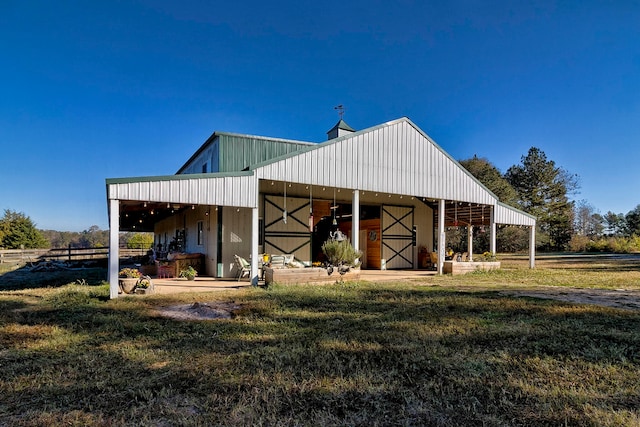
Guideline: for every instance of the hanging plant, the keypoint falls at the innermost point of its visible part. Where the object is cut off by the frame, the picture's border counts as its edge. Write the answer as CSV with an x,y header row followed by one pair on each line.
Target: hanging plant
x,y
340,256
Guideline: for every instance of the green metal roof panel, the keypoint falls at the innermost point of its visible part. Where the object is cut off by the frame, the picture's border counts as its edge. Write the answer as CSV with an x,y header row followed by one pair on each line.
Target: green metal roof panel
x,y
239,152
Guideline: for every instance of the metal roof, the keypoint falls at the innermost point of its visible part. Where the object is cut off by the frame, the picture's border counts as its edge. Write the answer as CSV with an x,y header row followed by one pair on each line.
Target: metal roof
x,y
238,151
395,157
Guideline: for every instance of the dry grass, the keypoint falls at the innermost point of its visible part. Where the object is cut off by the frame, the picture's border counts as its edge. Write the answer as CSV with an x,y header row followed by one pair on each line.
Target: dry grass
x,y
449,351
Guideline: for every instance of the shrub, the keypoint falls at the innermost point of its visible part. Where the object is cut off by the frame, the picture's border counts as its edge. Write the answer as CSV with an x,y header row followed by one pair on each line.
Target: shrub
x,y
341,255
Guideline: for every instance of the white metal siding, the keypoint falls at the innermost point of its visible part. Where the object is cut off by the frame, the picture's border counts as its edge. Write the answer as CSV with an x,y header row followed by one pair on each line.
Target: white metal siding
x,y
239,191
395,158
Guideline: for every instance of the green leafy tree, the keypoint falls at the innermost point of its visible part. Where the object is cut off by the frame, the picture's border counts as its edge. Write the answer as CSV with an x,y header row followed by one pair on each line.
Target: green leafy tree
x,y
492,178
543,190
18,231
507,240
140,241
94,237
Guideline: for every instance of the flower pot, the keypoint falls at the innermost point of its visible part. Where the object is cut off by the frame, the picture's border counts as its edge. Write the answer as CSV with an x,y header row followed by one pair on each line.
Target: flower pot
x,y
127,284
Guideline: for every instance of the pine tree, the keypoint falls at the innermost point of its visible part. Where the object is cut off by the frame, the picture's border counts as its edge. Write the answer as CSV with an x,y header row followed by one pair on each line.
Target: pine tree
x,y
543,191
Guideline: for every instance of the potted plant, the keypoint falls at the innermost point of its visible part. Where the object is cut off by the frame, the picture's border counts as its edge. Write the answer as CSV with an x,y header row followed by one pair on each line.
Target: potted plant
x,y
143,286
128,278
340,256
189,273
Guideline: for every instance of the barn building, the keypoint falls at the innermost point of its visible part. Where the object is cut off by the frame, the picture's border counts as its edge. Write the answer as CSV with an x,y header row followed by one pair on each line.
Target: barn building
x,y
389,188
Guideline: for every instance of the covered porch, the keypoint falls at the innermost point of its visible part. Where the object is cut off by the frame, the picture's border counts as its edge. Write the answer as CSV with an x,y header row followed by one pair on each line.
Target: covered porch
x,y
287,217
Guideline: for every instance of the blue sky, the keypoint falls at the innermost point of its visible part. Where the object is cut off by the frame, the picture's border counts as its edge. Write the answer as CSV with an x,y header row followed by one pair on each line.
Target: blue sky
x,y
96,90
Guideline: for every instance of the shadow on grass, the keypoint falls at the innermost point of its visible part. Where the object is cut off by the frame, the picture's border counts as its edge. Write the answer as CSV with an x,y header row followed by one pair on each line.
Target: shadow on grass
x,y
330,355
24,278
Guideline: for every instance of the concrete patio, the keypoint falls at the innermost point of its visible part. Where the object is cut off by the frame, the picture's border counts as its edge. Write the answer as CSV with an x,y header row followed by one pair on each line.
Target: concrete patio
x,y
210,284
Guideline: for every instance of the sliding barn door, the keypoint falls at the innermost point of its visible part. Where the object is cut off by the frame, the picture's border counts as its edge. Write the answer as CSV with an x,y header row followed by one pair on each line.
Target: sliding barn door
x,y
290,238
397,236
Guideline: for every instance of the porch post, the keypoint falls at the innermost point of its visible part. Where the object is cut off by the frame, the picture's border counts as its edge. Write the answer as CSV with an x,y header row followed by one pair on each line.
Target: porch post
x,y
441,236
532,247
470,241
255,224
114,255
492,232
355,220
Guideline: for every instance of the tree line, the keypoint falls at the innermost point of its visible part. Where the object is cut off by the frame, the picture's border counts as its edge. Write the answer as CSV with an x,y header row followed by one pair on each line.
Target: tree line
x,y
536,185
17,231
539,187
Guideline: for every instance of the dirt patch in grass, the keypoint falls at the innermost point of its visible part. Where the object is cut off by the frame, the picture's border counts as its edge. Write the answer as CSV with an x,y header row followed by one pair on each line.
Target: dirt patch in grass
x,y
625,299
200,311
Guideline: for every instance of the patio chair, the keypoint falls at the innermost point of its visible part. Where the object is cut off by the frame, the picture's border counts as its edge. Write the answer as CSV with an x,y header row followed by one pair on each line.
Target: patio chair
x,y
243,267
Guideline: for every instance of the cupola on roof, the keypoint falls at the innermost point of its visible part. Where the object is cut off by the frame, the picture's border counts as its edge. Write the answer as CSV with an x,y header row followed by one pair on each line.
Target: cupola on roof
x,y
340,129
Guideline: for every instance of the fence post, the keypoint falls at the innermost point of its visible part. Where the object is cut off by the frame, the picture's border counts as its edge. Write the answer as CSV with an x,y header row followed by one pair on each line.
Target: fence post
x,y
69,251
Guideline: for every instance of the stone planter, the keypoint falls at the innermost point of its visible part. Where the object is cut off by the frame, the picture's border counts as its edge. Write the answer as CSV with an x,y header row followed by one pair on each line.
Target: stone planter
x,y
455,268
127,284
306,275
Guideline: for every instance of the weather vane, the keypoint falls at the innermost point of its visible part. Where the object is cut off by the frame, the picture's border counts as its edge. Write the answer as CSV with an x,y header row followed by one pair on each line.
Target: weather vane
x,y
340,109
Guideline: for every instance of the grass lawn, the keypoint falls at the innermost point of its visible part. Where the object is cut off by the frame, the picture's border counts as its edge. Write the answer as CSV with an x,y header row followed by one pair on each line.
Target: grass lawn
x,y
442,351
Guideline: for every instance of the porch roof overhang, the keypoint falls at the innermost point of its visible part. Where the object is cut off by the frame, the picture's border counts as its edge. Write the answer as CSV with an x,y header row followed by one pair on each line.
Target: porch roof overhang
x,y
145,200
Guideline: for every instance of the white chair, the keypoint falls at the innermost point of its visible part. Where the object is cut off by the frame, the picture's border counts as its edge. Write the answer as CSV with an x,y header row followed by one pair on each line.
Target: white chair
x,y
243,267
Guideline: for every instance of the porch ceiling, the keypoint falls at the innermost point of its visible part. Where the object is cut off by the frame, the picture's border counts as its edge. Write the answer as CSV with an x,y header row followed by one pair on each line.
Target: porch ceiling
x,y
141,216
458,214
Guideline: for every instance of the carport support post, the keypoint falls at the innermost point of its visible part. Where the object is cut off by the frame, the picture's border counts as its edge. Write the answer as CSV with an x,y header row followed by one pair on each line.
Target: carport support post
x,y
255,225
355,220
470,242
114,255
532,247
441,236
492,232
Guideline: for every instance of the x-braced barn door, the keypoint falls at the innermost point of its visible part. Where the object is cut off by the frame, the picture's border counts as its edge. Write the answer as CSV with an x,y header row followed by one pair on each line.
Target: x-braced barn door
x,y
290,238
397,236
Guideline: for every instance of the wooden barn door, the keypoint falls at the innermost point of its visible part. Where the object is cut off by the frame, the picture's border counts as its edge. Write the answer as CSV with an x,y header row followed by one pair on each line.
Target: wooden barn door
x,y
290,238
397,236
